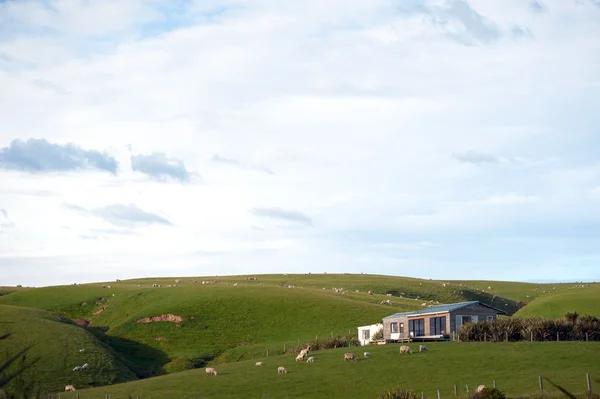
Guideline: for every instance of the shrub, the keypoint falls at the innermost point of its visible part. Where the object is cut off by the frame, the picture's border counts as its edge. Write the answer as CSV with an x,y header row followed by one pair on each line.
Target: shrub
x,y
488,393
398,393
378,335
177,365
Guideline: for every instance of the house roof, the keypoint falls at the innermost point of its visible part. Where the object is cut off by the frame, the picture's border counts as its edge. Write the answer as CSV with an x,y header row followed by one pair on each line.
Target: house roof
x,y
441,308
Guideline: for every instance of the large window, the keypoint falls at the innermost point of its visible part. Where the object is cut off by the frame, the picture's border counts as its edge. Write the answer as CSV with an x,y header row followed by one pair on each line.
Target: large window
x,y
366,334
489,318
437,325
466,319
394,328
416,327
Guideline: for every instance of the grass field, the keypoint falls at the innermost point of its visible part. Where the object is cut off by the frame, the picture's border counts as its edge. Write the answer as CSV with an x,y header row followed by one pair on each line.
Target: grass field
x,y
515,367
572,298
236,320
56,343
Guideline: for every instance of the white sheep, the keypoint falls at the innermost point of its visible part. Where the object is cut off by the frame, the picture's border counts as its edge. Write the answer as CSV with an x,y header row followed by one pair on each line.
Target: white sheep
x,y
259,364
211,371
422,348
70,388
76,368
300,357
350,356
367,354
310,359
405,349
85,366
480,388
281,370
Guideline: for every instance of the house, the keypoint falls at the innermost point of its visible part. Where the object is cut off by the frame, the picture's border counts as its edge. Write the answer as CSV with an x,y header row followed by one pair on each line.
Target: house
x,y
366,333
436,321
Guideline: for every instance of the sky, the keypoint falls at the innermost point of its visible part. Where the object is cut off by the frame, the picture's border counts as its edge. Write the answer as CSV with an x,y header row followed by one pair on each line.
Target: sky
x,y
434,139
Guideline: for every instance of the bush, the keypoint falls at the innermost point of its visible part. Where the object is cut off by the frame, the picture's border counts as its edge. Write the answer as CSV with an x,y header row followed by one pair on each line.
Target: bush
x,y
488,393
177,365
398,393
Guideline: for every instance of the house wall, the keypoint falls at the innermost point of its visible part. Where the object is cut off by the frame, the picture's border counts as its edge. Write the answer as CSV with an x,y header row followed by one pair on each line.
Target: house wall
x,y
387,334
427,325
474,310
373,329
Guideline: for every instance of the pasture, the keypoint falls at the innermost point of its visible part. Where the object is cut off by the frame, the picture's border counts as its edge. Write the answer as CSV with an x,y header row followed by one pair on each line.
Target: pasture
x,y
515,367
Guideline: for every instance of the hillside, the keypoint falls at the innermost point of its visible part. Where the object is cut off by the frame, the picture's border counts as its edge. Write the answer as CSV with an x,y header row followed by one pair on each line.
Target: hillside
x,y
515,367
57,343
580,298
235,318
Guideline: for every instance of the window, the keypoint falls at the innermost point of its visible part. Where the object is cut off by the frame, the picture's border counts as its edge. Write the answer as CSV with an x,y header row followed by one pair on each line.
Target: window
x,y
394,327
489,318
466,319
366,334
437,325
416,327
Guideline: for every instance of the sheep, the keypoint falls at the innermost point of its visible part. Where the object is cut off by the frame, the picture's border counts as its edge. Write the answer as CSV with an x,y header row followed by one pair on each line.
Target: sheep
x,y
85,366
370,292
405,349
281,370
310,359
211,371
350,356
259,364
308,348
480,388
76,368
367,354
300,357
422,348
70,388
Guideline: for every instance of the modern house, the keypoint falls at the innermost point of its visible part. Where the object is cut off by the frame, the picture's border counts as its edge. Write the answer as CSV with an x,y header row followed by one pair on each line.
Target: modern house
x,y
366,333
436,322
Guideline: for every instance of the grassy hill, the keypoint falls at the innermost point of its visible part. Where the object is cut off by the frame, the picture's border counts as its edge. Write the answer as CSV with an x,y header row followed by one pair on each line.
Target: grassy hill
x,y
580,298
515,367
57,343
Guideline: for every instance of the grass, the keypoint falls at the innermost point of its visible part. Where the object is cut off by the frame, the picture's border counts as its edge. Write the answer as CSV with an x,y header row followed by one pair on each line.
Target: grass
x,y
572,298
56,343
515,367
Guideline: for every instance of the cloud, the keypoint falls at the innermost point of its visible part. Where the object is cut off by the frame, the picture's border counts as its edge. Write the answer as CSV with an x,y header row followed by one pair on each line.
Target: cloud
x,y
282,214
477,158
520,32
158,166
536,7
39,155
5,221
234,162
459,22
122,215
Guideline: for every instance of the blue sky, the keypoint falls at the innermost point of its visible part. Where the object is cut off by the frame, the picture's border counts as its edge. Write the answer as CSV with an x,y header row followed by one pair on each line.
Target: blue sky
x,y
437,139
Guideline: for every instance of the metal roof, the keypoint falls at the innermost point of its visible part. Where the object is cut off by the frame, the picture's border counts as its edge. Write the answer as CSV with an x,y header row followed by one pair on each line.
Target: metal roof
x,y
440,308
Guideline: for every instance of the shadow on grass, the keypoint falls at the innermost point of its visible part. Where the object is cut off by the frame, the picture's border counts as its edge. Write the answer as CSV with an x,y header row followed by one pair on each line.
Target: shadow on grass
x,y
143,360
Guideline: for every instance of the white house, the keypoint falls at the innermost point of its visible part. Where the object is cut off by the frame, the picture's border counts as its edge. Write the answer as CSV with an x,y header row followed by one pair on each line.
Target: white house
x,y
366,333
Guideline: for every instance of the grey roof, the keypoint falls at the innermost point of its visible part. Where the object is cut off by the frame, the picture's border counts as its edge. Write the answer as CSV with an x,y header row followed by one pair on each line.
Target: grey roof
x,y
440,308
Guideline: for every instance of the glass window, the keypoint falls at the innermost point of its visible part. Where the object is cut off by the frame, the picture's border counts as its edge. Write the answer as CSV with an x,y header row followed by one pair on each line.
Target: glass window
x,y
437,325
366,334
394,327
489,318
416,327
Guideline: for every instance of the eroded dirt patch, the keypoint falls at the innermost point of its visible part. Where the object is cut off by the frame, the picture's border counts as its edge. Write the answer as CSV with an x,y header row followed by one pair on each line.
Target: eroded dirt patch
x,y
81,322
163,317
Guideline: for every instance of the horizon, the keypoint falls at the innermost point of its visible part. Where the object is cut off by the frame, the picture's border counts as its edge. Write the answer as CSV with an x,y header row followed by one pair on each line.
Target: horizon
x,y
446,138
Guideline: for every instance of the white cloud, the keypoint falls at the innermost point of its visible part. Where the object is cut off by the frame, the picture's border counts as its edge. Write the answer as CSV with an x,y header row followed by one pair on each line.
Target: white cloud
x,y
429,126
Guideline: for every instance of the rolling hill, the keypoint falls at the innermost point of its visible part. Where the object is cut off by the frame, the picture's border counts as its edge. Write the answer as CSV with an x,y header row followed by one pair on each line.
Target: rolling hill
x,y
56,344
580,298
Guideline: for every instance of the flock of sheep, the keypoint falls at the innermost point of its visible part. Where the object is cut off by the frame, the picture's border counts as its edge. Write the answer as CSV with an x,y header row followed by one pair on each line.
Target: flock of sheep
x,y
304,353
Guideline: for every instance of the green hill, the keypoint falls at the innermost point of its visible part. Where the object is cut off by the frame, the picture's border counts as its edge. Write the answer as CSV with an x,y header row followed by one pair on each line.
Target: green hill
x,y
515,367
57,343
580,298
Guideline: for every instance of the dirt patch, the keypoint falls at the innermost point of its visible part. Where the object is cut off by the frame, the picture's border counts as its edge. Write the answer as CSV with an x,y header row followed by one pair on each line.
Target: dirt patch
x,y
159,338
81,322
97,312
164,317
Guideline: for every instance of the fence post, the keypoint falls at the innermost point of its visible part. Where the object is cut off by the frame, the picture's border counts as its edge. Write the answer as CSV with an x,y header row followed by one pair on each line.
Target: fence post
x,y
541,385
506,334
532,336
485,336
456,390
495,384
283,348
422,395
557,336
586,336
467,388
438,392
589,383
